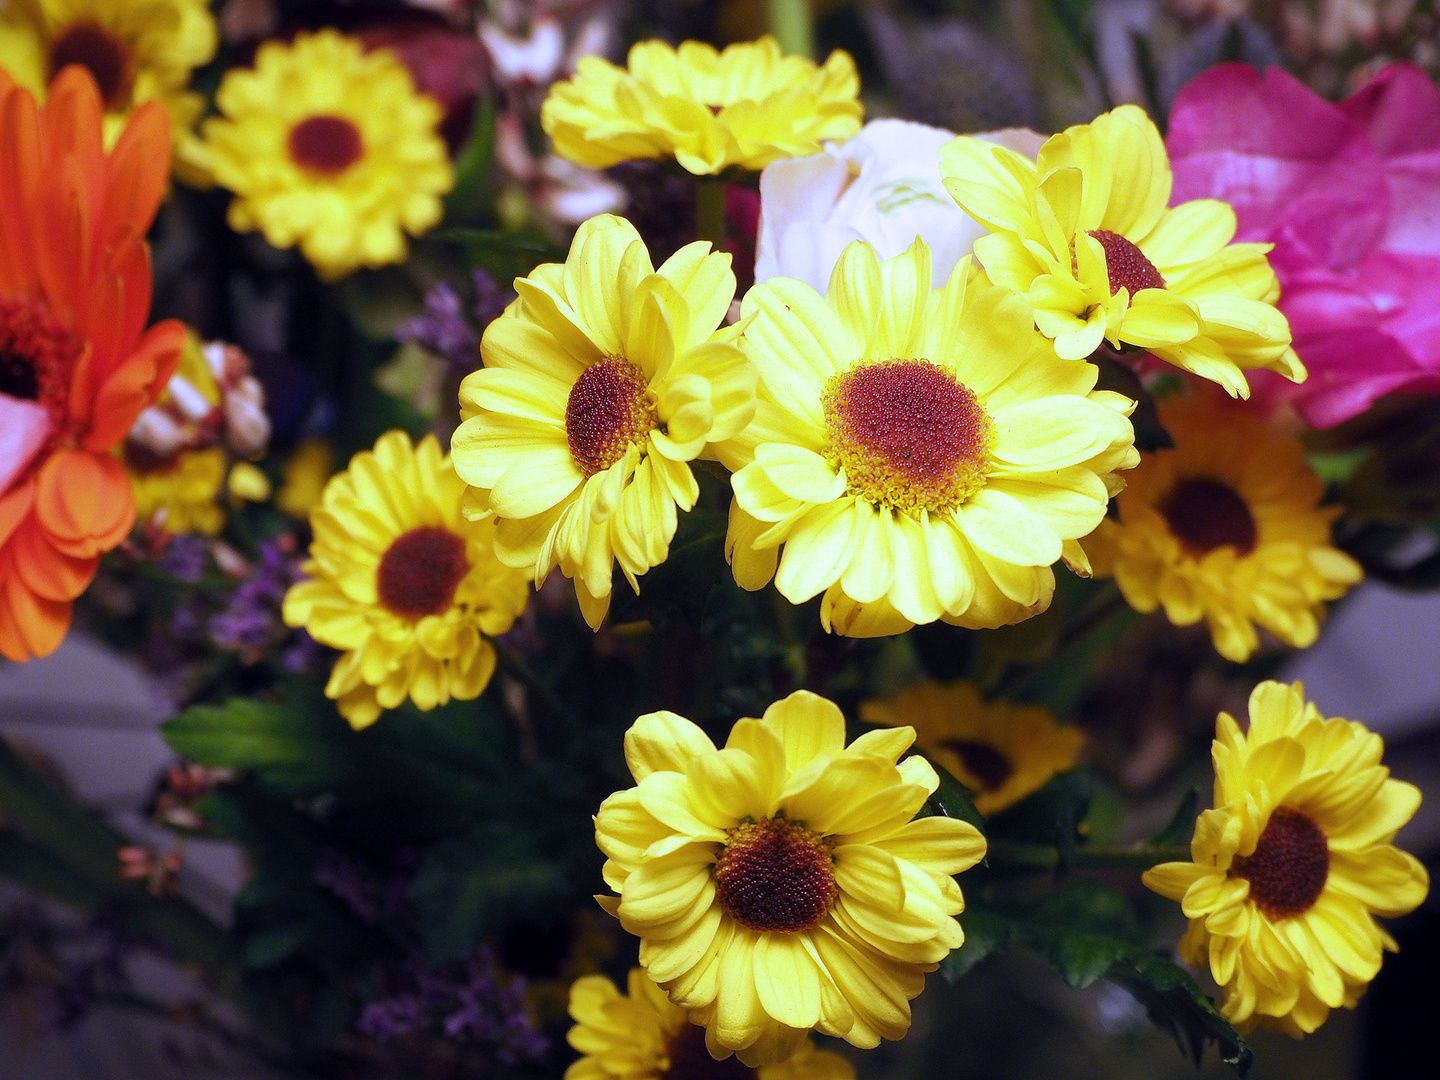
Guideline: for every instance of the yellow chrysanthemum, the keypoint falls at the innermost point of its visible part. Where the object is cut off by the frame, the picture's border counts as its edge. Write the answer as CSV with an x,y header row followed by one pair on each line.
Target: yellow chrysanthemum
x,y
138,51
779,885
182,492
1294,863
746,106
402,582
330,147
1088,234
1226,527
1001,752
600,383
921,455
303,477
642,1036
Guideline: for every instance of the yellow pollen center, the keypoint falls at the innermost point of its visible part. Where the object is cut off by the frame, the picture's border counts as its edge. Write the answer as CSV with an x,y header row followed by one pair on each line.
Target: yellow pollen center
x,y
908,434
1205,514
775,875
608,411
325,144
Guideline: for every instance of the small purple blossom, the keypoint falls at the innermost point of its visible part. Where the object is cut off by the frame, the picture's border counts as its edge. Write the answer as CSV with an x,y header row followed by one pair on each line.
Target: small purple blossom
x,y
445,327
372,896
186,558
472,1002
250,622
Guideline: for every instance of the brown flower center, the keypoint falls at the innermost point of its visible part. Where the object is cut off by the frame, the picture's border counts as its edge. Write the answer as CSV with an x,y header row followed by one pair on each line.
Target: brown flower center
x,y
690,1060
907,433
1289,867
775,875
328,145
420,571
1205,514
607,413
1127,265
984,762
37,356
109,59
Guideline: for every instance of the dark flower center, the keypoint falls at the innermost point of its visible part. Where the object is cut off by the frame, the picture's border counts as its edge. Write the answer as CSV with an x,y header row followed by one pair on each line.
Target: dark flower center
x,y
328,145
106,55
1289,867
606,413
984,762
1204,514
907,433
420,571
690,1060
1127,265
37,356
775,875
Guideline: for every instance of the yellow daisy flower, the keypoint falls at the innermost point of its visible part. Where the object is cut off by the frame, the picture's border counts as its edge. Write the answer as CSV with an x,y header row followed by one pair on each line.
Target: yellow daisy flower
x,y
1226,527
600,383
779,885
403,583
330,147
746,106
1088,234
1001,752
1294,863
921,455
642,1036
181,492
138,51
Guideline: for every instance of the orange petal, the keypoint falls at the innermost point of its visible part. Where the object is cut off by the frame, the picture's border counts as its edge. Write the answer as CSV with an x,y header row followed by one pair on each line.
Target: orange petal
x,y
139,171
20,170
14,505
49,573
134,385
30,625
84,502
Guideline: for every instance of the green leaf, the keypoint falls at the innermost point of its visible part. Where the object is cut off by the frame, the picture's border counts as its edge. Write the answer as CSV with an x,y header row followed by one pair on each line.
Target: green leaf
x,y
1181,825
471,887
681,584
1052,814
504,255
986,932
271,947
1176,1004
952,800
294,742
472,197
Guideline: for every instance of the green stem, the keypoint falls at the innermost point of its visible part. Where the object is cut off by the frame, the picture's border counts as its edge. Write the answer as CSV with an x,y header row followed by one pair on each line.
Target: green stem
x,y
1025,856
710,211
793,27
513,666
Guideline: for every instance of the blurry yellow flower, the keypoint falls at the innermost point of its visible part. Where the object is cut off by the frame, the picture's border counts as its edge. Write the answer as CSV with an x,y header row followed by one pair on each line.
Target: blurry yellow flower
x,y
601,382
329,147
780,885
745,106
181,493
920,454
402,582
1294,863
1226,527
642,1036
138,51
1001,752
247,483
303,477
1088,234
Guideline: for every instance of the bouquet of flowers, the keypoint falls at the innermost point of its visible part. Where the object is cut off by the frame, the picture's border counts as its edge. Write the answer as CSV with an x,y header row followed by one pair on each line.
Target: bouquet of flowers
x,y
638,556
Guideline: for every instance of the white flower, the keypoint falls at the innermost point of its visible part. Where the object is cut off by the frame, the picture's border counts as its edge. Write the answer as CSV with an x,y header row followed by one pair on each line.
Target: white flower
x,y
883,187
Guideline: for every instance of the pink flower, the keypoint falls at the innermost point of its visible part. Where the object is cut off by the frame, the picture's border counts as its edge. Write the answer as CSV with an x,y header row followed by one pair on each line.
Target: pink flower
x,y
1349,194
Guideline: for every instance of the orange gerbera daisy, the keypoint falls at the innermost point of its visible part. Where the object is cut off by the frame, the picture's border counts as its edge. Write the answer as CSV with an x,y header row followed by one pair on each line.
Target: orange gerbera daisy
x,y
77,365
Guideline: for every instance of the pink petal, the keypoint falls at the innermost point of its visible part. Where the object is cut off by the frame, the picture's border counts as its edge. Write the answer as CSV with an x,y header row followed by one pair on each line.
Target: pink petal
x,y
24,428
1297,170
1399,110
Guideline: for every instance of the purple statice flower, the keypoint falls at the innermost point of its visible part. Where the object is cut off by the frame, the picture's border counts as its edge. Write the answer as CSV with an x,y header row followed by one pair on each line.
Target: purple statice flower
x,y
472,1002
250,622
186,558
447,328
373,896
